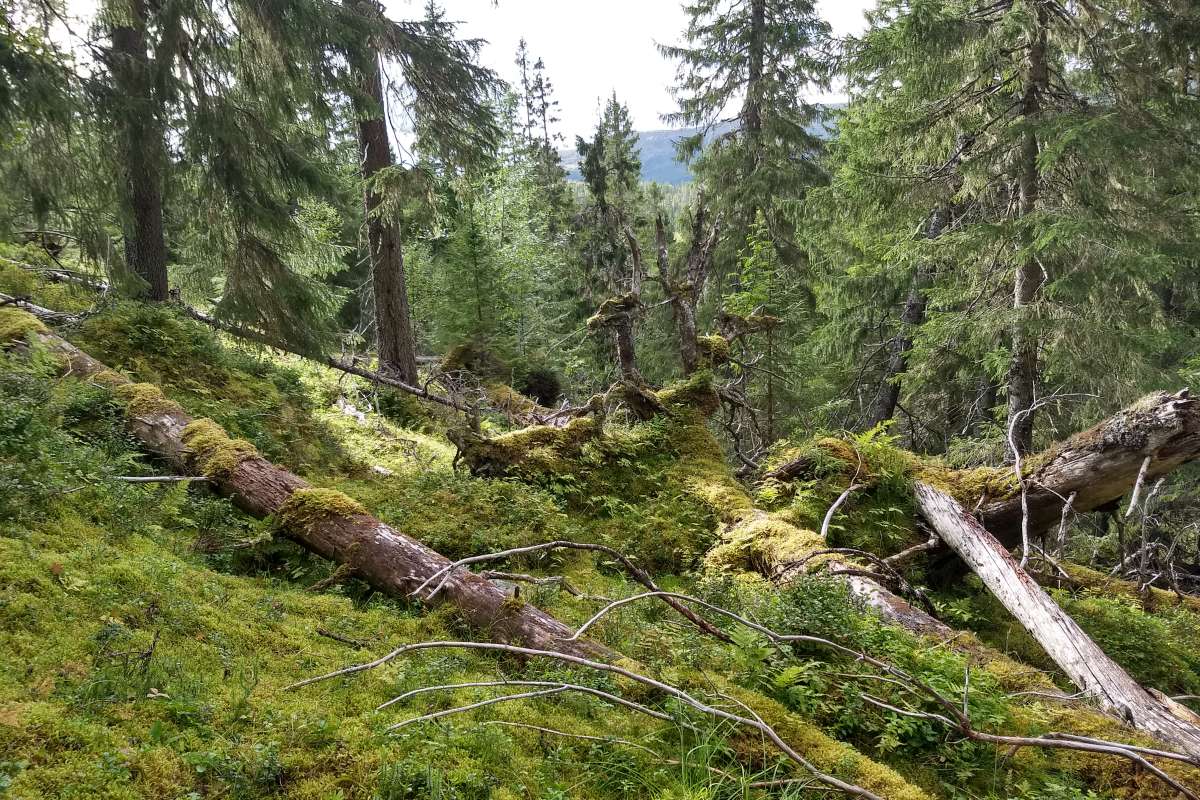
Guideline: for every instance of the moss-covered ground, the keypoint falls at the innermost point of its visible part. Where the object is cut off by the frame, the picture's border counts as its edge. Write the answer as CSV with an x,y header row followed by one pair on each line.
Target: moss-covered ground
x,y
147,632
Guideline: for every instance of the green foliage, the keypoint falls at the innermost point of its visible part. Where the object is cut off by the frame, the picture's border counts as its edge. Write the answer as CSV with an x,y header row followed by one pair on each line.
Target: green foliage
x,y
1119,625
245,394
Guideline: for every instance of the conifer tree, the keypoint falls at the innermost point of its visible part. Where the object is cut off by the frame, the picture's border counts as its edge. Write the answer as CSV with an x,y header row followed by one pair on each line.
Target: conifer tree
x,y
444,93
1051,154
764,56
611,168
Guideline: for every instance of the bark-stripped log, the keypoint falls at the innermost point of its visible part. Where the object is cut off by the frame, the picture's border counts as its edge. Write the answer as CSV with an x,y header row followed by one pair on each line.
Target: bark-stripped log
x,y
388,560
1088,667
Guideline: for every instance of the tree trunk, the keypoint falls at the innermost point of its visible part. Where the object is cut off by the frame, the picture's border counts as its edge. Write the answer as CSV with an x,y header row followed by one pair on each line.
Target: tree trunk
x,y
385,558
1023,367
911,318
1088,667
393,320
684,285
143,154
1100,465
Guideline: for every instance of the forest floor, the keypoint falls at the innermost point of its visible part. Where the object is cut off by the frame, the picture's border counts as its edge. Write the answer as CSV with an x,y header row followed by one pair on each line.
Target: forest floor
x,y
148,631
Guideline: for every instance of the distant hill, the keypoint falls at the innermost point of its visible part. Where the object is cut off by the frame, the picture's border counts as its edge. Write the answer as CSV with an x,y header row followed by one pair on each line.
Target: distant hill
x,y
658,154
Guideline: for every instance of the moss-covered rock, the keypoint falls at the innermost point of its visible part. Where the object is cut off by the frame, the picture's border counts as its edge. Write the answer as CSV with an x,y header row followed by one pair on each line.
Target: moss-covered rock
x,y
215,453
307,507
17,324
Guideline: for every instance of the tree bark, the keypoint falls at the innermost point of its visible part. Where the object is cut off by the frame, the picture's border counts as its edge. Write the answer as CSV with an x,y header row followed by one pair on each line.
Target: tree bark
x,y
385,558
910,319
685,285
393,319
1023,367
1088,667
143,154
1100,465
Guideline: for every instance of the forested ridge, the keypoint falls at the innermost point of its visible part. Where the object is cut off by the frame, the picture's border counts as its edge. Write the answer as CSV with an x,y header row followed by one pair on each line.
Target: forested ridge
x,y
351,448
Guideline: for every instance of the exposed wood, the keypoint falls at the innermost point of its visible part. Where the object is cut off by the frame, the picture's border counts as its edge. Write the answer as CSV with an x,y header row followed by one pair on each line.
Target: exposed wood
x,y
386,559
1100,465
1088,667
1091,469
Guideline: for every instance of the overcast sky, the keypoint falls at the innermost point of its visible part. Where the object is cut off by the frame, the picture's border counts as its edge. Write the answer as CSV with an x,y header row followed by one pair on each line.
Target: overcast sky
x,y
592,47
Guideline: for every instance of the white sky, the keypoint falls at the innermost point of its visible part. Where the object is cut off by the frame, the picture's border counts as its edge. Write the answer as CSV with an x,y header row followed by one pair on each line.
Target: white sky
x,y
592,47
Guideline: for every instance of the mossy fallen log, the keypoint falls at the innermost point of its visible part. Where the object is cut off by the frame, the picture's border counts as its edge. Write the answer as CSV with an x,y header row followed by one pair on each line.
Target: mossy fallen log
x,y
323,521
1160,432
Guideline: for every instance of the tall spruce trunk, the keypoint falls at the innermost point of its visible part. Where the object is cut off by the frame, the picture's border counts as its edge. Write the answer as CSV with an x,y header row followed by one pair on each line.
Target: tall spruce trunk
x,y
911,318
393,319
1023,367
143,154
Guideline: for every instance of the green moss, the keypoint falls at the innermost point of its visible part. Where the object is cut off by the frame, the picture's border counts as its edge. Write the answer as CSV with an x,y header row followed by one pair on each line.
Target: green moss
x,y
714,350
508,400
214,452
967,486
694,393
145,400
109,378
307,507
827,754
17,324
540,450
611,309
763,544
262,399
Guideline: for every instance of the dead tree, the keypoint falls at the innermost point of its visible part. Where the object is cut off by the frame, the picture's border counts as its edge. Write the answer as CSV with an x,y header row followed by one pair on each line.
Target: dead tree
x,y
1088,667
323,521
684,284
1160,432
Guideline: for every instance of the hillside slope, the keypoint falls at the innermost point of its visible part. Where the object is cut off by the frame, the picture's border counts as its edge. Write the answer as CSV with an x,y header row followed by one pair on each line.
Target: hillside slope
x,y
147,631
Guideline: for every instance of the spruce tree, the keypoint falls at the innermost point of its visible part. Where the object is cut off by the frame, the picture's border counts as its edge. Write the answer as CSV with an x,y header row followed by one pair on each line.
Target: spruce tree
x,y
1051,156
444,93
764,57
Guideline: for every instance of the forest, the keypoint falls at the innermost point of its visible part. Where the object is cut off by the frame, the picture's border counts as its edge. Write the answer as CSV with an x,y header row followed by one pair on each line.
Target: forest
x,y
351,447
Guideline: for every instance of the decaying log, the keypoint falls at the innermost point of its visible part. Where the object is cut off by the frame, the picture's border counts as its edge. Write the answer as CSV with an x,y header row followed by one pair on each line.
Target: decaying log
x,y
1088,667
1100,465
322,521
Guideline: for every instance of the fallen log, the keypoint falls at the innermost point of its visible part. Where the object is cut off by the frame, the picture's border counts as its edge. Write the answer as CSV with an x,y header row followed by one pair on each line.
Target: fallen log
x,y
1150,438
323,521
1081,659
1092,470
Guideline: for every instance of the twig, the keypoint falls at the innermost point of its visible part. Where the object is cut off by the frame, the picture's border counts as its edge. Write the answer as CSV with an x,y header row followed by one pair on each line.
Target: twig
x,y
636,572
337,637
600,666
550,580
160,478
1137,487
612,698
